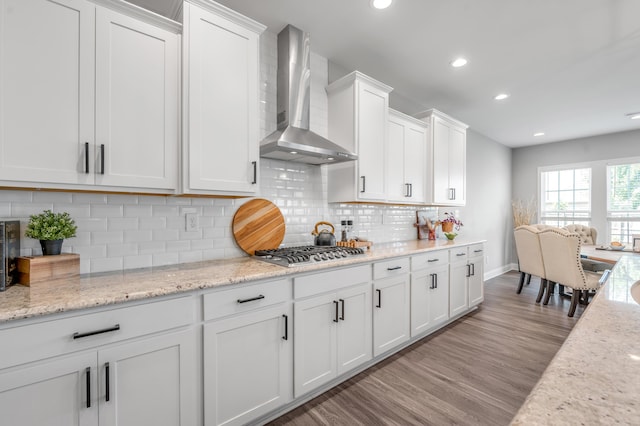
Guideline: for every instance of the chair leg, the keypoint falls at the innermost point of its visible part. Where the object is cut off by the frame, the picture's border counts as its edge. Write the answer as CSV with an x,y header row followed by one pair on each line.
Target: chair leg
x,y
543,286
528,279
550,286
561,290
574,302
521,282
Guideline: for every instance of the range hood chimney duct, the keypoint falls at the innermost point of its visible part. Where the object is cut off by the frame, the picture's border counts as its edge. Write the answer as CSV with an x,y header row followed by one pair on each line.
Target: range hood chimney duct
x,y
293,141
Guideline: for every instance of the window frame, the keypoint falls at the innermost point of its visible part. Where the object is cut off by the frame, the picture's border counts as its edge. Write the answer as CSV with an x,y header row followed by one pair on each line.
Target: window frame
x,y
559,168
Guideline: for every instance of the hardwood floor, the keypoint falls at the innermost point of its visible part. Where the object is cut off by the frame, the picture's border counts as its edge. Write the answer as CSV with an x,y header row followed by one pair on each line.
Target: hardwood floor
x,y
476,371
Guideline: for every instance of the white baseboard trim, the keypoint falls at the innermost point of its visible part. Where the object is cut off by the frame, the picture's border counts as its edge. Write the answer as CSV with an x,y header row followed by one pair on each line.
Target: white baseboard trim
x,y
501,270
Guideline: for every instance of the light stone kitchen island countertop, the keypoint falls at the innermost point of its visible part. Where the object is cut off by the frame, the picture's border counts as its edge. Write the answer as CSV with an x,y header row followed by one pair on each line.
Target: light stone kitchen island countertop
x,y
93,290
594,379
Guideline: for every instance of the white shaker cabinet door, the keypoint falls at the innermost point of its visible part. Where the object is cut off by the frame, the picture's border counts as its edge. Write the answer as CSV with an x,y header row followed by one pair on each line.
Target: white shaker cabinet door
x,y
46,87
391,313
149,382
58,392
248,365
221,116
137,85
354,327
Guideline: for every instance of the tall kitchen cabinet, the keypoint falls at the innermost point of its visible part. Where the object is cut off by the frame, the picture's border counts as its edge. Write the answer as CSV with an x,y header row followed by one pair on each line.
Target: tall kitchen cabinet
x,y
446,180
332,333
358,115
89,97
406,153
220,101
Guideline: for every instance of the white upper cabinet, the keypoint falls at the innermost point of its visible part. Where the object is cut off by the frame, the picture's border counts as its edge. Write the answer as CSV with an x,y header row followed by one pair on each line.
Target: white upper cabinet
x,y
137,101
358,114
406,159
220,101
89,97
446,180
46,87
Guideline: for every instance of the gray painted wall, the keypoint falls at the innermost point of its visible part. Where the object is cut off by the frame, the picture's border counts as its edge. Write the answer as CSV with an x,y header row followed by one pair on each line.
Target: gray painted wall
x,y
487,214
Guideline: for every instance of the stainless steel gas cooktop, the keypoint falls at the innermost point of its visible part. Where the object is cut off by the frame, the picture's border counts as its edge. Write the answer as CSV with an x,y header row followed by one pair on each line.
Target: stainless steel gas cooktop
x,y
305,255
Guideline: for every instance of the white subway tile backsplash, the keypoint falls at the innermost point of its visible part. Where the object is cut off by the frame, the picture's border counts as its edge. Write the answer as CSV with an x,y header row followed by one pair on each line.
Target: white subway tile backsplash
x,y
137,211
162,259
89,198
5,209
121,250
24,210
122,223
138,236
135,262
10,196
107,237
107,210
105,264
165,234
152,247
52,197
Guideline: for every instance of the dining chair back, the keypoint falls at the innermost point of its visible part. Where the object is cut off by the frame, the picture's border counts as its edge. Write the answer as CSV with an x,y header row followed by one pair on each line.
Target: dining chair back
x,y
529,256
562,263
588,234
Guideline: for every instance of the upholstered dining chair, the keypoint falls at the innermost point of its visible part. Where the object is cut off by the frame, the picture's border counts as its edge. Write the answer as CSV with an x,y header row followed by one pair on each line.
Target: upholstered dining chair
x,y
588,236
530,257
562,264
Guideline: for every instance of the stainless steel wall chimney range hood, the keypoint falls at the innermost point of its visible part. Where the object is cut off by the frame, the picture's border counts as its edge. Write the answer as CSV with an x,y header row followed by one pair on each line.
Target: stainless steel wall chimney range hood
x,y
293,141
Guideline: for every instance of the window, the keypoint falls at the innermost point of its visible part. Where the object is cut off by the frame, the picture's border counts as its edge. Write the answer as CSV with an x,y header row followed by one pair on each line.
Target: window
x,y
623,201
565,197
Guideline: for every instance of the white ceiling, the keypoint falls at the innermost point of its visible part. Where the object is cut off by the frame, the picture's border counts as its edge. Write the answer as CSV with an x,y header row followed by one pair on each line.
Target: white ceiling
x,y
572,67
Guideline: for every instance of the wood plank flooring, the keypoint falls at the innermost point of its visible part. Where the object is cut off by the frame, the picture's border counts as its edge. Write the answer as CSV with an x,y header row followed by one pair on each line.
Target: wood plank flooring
x,y
476,371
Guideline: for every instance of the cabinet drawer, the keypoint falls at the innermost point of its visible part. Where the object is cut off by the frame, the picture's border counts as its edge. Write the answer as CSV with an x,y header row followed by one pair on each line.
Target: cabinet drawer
x,y
390,268
476,250
241,299
458,254
332,280
428,260
51,338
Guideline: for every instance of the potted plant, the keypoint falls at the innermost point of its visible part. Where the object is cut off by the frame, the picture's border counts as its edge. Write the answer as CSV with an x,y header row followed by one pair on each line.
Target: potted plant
x,y
51,229
449,223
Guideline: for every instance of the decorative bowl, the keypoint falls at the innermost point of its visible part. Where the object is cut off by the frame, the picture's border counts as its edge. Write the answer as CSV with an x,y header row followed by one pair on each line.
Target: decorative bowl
x,y
616,248
450,235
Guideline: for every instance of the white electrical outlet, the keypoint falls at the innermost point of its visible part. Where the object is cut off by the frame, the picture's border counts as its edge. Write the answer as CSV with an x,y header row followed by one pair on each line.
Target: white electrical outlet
x,y
191,222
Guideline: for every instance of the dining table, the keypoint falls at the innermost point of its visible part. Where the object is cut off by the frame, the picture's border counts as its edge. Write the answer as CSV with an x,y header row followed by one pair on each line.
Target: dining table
x,y
604,253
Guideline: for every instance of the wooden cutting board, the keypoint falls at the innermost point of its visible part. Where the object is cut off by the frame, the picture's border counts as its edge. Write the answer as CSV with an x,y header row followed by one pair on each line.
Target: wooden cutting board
x,y
258,225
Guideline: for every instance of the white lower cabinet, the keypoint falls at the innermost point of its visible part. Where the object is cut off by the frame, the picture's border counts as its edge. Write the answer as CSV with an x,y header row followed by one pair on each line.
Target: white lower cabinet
x,y
332,332
247,365
391,305
429,297
476,275
58,392
141,381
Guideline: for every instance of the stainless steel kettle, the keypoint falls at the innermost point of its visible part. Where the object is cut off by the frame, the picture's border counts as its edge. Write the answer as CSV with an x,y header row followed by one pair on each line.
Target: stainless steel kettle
x,y
324,237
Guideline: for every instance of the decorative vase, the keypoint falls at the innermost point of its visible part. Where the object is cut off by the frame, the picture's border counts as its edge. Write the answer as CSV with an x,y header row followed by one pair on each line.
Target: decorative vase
x,y
51,247
447,226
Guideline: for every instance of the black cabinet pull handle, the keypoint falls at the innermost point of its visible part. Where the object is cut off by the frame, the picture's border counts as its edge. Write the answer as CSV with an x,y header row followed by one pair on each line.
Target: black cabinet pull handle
x,y
87,373
410,190
251,299
342,312
436,279
468,270
433,282
407,189
255,172
335,303
473,269
394,268
86,157
461,254
379,305
101,159
93,333
364,181
478,251
286,327
432,260
106,382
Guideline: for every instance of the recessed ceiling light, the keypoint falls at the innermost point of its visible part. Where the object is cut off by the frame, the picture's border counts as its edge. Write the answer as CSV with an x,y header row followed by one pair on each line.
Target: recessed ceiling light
x,y
330,158
459,62
634,115
293,152
501,96
538,134
381,4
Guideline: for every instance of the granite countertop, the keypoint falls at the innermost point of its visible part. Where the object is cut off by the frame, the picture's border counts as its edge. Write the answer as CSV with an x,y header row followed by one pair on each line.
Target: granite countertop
x,y
595,376
19,302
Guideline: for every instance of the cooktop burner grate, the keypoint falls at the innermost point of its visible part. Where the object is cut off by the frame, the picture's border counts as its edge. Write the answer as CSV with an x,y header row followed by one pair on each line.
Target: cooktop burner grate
x,y
290,256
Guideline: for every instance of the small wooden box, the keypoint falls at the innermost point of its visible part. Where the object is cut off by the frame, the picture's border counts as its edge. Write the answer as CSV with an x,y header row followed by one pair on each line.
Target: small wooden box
x,y
35,269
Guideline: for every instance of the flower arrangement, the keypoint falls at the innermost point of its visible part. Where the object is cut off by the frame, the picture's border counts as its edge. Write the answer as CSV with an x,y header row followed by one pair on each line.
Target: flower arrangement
x,y
50,226
450,218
